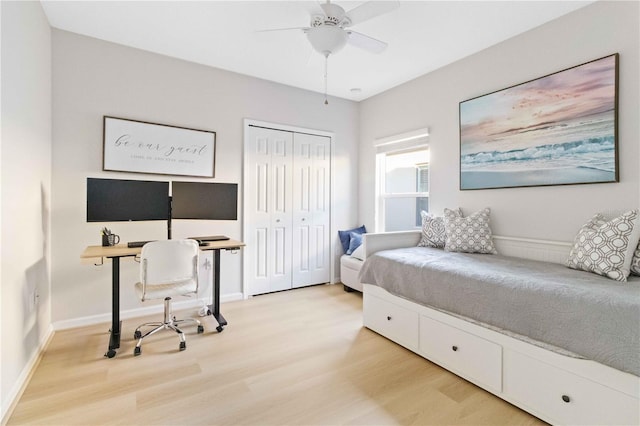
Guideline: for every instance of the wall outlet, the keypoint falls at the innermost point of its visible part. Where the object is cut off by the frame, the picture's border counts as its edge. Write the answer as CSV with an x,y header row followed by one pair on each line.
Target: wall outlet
x,y
33,300
207,264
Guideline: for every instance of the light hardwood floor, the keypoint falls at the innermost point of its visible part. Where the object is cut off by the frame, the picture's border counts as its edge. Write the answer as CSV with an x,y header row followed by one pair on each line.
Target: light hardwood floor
x,y
298,357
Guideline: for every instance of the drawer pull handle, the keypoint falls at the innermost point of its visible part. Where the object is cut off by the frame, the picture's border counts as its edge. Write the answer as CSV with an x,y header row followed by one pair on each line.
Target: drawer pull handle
x,y
454,348
388,318
566,398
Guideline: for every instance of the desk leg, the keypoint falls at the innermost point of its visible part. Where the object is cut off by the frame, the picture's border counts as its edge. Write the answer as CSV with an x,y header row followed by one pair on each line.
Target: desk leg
x,y
215,307
116,325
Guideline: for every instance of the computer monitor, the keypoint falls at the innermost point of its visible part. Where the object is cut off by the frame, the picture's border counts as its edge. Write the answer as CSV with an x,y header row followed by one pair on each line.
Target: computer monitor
x,y
203,200
116,200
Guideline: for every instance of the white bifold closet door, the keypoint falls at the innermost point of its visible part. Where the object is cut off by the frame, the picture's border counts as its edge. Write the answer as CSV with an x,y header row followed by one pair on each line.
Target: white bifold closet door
x,y
287,210
311,212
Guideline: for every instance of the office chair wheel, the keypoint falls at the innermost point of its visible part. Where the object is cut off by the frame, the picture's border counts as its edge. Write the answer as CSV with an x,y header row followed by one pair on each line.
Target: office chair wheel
x,y
200,329
219,329
183,346
137,334
110,353
137,351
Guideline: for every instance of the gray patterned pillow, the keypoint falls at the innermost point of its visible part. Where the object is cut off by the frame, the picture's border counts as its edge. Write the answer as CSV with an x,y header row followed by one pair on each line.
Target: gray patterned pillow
x,y
635,263
471,234
433,232
606,247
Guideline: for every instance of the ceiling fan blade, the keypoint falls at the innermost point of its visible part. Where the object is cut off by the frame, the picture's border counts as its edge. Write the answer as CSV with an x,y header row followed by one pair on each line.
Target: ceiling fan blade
x,y
365,42
303,29
370,10
326,9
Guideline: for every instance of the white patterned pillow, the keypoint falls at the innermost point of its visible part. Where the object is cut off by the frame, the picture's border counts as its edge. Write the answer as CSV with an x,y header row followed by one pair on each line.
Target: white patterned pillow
x,y
433,232
471,234
606,247
635,262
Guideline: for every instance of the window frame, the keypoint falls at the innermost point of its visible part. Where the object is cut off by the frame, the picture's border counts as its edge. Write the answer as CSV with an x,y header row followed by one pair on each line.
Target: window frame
x,y
401,145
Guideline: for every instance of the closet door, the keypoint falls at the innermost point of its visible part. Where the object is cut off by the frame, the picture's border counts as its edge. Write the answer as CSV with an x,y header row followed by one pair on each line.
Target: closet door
x,y
311,209
268,187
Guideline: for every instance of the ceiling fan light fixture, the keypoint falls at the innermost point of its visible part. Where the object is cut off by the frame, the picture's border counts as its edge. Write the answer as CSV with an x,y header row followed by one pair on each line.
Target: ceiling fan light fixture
x,y
327,39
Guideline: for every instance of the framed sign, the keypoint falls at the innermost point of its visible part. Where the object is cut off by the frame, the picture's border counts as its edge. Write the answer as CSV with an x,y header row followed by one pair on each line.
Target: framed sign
x,y
560,129
141,147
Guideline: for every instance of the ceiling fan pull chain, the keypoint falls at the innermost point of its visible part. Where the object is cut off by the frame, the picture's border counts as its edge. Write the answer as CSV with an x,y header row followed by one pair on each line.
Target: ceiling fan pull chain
x,y
326,71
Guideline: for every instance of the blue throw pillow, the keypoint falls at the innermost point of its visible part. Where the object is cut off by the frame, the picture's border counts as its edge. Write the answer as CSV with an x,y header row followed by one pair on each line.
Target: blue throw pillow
x,y
355,242
345,236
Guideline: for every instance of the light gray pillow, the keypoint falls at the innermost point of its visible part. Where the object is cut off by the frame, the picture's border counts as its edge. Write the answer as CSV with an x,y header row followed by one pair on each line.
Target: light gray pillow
x,y
359,252
433,231
635,262
471,234
606,247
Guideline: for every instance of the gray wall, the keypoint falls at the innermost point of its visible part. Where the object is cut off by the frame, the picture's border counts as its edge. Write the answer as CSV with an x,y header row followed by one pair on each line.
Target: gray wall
x,y
552,213
92,78
25,169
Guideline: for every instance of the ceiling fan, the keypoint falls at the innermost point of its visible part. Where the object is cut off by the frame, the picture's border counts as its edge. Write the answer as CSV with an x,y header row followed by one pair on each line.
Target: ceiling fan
x,y
330,31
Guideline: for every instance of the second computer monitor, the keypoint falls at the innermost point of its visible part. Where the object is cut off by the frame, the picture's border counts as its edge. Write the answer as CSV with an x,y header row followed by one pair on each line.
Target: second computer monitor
x,y
202,200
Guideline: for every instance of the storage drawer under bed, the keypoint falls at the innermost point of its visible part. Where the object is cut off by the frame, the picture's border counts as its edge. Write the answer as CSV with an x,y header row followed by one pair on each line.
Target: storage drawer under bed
x,y
392,321
472,357
564,397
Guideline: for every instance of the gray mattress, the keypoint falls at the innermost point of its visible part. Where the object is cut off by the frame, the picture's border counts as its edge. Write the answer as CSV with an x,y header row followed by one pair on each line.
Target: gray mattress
x,y
580,312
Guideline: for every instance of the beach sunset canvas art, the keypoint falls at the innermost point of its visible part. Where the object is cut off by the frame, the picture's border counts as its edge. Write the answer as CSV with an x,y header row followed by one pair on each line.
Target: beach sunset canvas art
x,y
560,129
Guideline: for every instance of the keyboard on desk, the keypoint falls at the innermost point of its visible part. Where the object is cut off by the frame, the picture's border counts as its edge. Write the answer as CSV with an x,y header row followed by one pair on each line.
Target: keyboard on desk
x,y
136,244
211,238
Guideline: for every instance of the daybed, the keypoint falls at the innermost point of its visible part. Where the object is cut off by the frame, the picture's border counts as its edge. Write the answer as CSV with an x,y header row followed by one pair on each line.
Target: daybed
x,y
561,344
349,270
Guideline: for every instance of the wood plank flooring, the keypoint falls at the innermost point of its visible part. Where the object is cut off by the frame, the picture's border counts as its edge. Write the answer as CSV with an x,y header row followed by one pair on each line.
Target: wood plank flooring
x,y
298,357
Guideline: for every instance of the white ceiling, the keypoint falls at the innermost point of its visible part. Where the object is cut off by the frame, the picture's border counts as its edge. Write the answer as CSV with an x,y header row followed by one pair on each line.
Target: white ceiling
x,y
422,36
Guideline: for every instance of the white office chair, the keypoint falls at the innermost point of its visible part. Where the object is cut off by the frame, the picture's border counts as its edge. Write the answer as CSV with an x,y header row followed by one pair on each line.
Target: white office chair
x,y
167,268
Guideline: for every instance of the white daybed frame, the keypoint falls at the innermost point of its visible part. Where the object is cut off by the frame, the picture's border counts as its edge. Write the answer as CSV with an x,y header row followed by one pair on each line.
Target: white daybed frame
x,y
556,388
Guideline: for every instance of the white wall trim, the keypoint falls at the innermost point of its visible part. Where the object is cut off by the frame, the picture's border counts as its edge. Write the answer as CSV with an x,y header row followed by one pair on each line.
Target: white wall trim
x,y
402,137
139,312
528,248
534,241
287,128
10,401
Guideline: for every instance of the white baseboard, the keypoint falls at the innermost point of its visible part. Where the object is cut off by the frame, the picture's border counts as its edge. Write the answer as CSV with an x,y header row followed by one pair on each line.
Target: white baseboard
x,y
232,297
140,312
8,403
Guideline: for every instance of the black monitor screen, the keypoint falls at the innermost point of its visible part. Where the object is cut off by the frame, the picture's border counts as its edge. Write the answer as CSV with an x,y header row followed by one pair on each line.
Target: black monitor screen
x,y
200,200
113,200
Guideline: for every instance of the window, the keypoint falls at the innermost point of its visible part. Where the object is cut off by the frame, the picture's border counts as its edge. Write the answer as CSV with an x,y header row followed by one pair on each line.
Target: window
x,y
403,186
